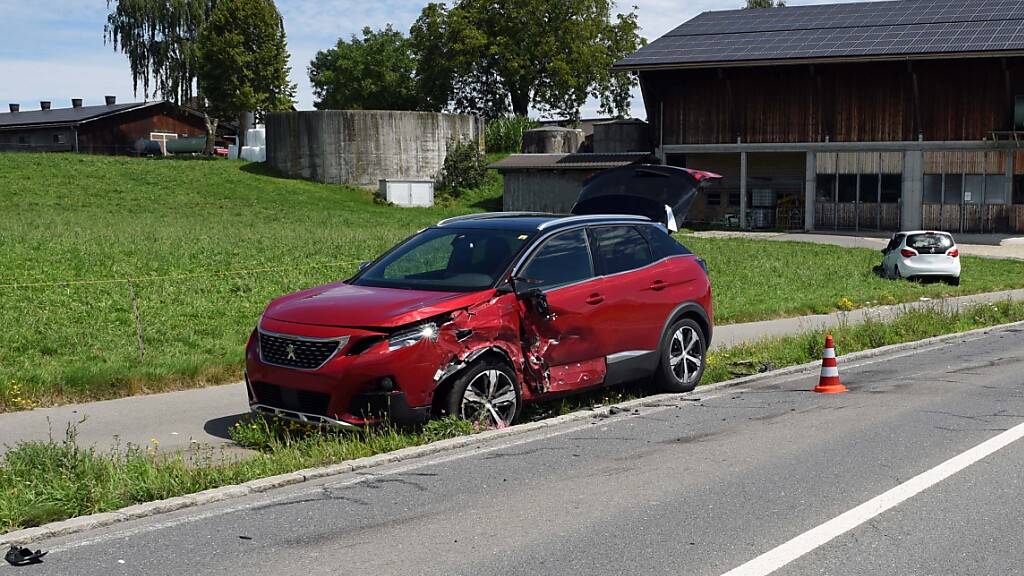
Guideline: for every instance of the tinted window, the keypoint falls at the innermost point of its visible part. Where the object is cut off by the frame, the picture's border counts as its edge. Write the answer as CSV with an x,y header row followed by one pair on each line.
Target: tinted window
x,y
446,259
619,248
563,259
662,244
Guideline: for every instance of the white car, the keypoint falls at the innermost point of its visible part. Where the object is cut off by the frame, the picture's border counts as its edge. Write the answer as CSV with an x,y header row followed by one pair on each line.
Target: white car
x,y
922,254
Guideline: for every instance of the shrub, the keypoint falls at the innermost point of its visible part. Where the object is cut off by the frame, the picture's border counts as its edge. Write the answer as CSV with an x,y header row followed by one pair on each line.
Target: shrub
x,y
464,169
505,134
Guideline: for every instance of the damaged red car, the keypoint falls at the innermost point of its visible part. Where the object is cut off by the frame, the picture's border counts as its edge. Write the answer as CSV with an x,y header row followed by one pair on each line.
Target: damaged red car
x,y
480,314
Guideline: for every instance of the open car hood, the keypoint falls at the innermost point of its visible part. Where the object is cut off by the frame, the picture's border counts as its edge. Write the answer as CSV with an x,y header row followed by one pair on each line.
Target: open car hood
x,y
662,193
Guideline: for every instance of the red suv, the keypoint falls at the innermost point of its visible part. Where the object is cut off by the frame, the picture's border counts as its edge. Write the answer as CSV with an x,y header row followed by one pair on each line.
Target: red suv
x,y
482,313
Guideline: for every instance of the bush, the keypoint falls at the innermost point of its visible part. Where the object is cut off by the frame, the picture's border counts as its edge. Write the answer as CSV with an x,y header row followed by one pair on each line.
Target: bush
x,y
506,133
464,169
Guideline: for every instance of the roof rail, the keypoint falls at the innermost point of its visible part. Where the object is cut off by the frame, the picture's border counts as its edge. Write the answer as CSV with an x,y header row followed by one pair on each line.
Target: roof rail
x,y
587,217
487,215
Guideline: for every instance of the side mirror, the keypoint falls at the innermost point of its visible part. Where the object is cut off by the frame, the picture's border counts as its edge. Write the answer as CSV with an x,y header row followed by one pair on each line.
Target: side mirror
x,y
885,250
536,299
364,264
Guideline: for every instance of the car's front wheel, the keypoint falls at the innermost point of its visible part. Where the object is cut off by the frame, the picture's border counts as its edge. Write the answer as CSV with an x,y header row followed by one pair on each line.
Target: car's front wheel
x,y
487,393
682,357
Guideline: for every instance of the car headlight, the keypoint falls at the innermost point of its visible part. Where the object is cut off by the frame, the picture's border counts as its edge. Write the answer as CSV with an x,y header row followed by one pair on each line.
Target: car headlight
x,y
412,336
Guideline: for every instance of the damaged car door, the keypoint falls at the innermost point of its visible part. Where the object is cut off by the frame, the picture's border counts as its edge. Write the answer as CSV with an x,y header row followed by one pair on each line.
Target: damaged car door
x,y
562,343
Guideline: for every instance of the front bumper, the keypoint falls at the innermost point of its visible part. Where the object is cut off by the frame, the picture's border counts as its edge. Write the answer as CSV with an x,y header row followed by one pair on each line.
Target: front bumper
x,y
360,384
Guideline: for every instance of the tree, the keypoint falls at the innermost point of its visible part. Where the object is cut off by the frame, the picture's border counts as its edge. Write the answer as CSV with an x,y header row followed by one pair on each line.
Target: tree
x,y
765,4
159,38
490,56
243,59
375,72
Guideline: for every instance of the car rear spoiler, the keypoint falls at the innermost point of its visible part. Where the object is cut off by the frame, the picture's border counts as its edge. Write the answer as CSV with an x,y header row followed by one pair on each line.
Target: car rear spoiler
x,y
662,193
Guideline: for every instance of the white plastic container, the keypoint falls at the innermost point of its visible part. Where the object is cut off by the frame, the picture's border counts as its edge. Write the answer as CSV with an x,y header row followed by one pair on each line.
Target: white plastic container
x,y
408,192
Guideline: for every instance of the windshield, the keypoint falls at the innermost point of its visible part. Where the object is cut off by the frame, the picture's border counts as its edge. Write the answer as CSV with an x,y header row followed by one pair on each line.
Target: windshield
x,y
447,260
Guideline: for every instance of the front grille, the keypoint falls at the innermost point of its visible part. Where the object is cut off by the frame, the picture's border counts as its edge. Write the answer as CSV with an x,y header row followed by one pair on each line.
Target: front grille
x,y
291,399
296,352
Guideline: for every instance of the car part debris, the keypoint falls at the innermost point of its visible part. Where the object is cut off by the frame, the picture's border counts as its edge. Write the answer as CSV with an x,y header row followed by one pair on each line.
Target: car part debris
x,y
20,556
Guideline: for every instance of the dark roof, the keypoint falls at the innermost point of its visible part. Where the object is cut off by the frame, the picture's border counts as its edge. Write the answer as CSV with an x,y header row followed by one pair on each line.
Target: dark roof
x,y
579,161
66,116
897,29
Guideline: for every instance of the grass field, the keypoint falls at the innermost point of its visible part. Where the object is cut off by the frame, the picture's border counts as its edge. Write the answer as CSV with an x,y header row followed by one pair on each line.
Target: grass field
x,y
207,243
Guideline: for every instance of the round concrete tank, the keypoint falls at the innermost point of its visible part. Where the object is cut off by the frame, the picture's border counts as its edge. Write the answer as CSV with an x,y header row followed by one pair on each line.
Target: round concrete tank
x,y
552,140
362,147
623,135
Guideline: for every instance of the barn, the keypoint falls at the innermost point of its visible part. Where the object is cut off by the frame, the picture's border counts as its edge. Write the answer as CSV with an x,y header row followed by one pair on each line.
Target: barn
x,y
110,128
865,116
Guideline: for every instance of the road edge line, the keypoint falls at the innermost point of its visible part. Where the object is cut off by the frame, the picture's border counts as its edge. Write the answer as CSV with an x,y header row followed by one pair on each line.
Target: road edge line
x,y
158,507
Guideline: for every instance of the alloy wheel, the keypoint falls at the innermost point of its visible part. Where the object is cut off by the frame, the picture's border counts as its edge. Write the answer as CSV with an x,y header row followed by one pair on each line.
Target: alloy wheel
x,y
686,355
491,399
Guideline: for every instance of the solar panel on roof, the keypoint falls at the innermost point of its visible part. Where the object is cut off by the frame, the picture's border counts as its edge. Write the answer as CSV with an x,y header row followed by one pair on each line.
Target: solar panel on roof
x,y
861,29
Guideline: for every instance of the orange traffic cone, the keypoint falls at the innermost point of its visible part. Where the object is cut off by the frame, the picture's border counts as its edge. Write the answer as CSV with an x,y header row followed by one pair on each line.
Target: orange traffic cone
x,y
829,382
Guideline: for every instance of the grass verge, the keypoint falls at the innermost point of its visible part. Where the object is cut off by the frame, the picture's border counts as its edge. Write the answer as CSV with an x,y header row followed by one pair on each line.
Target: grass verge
x,y
46,481
207,244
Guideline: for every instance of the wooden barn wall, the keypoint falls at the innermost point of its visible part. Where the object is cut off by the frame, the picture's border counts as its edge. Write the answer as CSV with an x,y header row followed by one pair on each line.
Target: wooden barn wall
x,y
118,134
863,102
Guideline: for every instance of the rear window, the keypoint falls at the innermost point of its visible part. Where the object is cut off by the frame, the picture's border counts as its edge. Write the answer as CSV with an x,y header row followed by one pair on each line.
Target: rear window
x,y
620,248
662,244
929,243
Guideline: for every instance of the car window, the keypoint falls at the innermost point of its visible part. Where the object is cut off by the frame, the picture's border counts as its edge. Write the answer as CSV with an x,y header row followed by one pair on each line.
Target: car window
x,y
895,242
563,259
662,244
929,243
619,248
446,259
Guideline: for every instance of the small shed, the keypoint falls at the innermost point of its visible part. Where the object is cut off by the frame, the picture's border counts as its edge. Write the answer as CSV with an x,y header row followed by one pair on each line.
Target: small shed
x,y
552,182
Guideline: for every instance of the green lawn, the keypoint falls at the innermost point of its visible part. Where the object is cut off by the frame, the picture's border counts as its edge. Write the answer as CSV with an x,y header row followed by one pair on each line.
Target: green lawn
x,y
208,243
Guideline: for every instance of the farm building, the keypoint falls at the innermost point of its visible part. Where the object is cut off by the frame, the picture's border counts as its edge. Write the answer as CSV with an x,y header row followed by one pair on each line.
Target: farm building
x,y
110,128
865,116
552,182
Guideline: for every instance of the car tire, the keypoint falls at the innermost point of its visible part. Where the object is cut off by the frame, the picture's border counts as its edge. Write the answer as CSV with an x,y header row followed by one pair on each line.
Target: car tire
x,y
954,281
487,392
680,370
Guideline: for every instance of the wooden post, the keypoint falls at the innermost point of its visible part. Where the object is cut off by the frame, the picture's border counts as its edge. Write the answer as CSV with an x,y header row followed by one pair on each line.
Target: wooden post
x,y
743,190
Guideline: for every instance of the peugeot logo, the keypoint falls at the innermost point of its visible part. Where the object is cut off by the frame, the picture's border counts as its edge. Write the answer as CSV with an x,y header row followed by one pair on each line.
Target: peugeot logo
x,y
291,352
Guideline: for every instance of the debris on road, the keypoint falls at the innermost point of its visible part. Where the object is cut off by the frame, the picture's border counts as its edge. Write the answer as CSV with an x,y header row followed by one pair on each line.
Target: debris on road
x,y
20,556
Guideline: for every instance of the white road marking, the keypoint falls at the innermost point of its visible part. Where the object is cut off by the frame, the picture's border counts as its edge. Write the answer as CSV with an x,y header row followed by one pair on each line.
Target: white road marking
x,y
785,553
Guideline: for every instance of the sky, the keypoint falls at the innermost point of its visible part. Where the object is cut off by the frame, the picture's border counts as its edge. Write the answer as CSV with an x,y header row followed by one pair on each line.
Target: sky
x,y
54,50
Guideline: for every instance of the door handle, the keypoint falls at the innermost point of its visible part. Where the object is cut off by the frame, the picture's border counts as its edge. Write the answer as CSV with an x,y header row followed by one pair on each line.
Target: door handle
x,y
594,299
659,285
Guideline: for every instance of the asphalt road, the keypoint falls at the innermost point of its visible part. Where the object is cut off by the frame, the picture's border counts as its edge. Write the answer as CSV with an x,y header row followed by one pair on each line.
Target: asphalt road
x,y
704,486
178,419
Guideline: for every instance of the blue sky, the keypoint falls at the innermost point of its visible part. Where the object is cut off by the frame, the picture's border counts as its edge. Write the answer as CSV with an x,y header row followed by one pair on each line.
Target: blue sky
x,y
53,49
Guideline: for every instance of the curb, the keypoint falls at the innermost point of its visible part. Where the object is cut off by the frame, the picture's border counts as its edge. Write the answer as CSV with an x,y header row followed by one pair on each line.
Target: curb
x,y
259,485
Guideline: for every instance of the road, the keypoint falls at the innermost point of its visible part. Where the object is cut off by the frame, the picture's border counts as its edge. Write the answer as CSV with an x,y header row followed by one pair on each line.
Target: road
x,y
704,486
178,419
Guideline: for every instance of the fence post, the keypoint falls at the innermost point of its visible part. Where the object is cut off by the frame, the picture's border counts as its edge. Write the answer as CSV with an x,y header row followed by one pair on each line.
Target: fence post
x,y
138,321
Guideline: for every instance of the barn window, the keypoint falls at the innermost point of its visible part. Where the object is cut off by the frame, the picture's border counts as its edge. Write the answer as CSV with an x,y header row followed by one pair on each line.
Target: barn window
x,y
58,138
22,140
714,198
